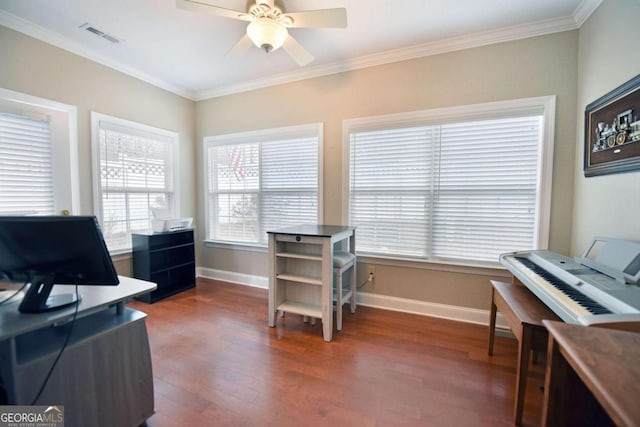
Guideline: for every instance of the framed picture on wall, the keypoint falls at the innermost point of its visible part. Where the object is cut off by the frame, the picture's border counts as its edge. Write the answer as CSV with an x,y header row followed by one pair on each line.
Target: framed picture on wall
x,y
612,131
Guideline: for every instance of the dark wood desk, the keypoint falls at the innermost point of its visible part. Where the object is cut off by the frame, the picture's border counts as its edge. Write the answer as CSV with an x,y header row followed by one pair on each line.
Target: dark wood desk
x,y
524,314
593,377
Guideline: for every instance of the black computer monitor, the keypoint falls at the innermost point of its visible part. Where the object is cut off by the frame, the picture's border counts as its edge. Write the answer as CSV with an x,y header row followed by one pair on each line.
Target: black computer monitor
x,y
46,250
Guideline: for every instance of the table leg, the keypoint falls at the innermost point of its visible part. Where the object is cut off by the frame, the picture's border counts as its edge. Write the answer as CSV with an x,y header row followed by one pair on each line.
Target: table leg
x,y
524,350
492,322
327,289
273,281
354,285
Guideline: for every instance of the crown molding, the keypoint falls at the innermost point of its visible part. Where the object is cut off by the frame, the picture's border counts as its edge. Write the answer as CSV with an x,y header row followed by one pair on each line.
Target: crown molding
x,y
36,31
584,11
452,44
485,38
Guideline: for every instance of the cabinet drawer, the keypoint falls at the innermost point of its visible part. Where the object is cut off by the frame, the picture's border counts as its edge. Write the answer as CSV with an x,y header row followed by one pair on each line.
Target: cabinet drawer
x,y
297,238
174,238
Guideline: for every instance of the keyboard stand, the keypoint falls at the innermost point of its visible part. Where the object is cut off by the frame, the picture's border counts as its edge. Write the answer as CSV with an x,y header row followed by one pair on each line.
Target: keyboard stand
x,y
524,313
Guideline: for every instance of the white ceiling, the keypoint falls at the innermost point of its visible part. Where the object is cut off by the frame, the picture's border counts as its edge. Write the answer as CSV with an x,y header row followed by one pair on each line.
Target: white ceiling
x,y
184,51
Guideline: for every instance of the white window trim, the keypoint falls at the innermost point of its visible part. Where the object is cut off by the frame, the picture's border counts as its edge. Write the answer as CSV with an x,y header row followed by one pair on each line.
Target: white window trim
x,y
251,137
96,118
545,105
71,130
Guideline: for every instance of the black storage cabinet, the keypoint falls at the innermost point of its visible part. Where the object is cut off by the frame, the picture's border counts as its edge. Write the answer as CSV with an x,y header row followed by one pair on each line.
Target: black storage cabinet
x,y
167,259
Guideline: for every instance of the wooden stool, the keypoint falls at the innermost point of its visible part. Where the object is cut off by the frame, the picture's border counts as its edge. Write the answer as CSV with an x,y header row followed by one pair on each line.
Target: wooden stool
x,y
524,314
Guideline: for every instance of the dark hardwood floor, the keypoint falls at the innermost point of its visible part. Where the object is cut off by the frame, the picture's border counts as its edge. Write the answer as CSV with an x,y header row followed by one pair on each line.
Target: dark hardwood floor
x,y
217,363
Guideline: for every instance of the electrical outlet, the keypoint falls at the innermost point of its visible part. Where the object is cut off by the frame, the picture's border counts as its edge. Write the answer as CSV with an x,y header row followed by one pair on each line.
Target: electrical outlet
x,y
372,271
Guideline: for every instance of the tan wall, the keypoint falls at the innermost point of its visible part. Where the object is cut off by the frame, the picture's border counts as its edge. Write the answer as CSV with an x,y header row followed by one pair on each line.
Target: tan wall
x,y
39,69
608,56
533,67
538,66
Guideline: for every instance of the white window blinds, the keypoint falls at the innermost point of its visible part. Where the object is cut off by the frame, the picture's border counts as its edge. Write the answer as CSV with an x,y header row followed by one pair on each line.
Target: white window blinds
x,y
460,191
487,186
136,174
26,175
261,181
391,178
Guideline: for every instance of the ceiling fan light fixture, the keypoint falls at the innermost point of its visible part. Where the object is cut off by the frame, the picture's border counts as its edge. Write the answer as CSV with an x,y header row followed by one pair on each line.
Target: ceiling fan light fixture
x,y
267,34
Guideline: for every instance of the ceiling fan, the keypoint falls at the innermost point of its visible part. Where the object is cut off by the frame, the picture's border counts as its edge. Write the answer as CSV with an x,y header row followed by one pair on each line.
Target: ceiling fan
x,y
268,25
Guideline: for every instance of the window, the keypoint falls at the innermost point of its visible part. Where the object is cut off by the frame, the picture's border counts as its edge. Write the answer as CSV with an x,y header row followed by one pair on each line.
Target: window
x,y
460,184
25,165
134,173
260,181
38,155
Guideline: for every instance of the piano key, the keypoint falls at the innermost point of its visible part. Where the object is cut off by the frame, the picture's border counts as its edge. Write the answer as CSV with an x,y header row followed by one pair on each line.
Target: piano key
x,y
574,294
569,311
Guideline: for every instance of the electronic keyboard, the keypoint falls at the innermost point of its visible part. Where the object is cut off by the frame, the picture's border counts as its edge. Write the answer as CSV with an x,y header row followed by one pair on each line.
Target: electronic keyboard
x,y
578,290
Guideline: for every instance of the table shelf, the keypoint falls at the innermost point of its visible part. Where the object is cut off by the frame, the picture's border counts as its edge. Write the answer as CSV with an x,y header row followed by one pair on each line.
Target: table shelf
x,y
301,308
295,255
300,279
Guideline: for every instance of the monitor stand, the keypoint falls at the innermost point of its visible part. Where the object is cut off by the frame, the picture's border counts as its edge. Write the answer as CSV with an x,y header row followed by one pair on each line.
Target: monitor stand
x,y
38,298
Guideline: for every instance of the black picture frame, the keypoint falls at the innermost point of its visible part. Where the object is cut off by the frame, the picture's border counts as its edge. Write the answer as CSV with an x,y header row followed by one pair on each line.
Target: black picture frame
x,y
612,131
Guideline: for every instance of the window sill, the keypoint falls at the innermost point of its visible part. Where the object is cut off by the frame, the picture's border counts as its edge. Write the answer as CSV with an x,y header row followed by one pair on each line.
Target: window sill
x,y
235,246
476,268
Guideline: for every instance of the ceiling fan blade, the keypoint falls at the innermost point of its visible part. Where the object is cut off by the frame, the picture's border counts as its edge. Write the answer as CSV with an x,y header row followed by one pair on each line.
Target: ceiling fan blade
x,y
297,52
241,47
334,18
201,6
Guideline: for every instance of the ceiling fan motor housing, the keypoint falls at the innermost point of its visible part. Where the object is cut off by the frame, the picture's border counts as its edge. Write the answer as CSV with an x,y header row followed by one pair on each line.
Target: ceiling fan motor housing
x,y
267,34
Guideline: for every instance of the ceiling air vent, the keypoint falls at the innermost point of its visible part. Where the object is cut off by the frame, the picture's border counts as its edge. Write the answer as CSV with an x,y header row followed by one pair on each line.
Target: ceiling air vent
x,y
97,32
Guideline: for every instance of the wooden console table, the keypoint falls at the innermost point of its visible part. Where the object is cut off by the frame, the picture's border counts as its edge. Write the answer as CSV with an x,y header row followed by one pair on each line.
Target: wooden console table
x,y
592,378
524,314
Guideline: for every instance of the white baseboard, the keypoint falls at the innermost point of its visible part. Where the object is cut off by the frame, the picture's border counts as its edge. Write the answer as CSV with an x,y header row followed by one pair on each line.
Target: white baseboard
x,y
442,311
233,277
367,299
